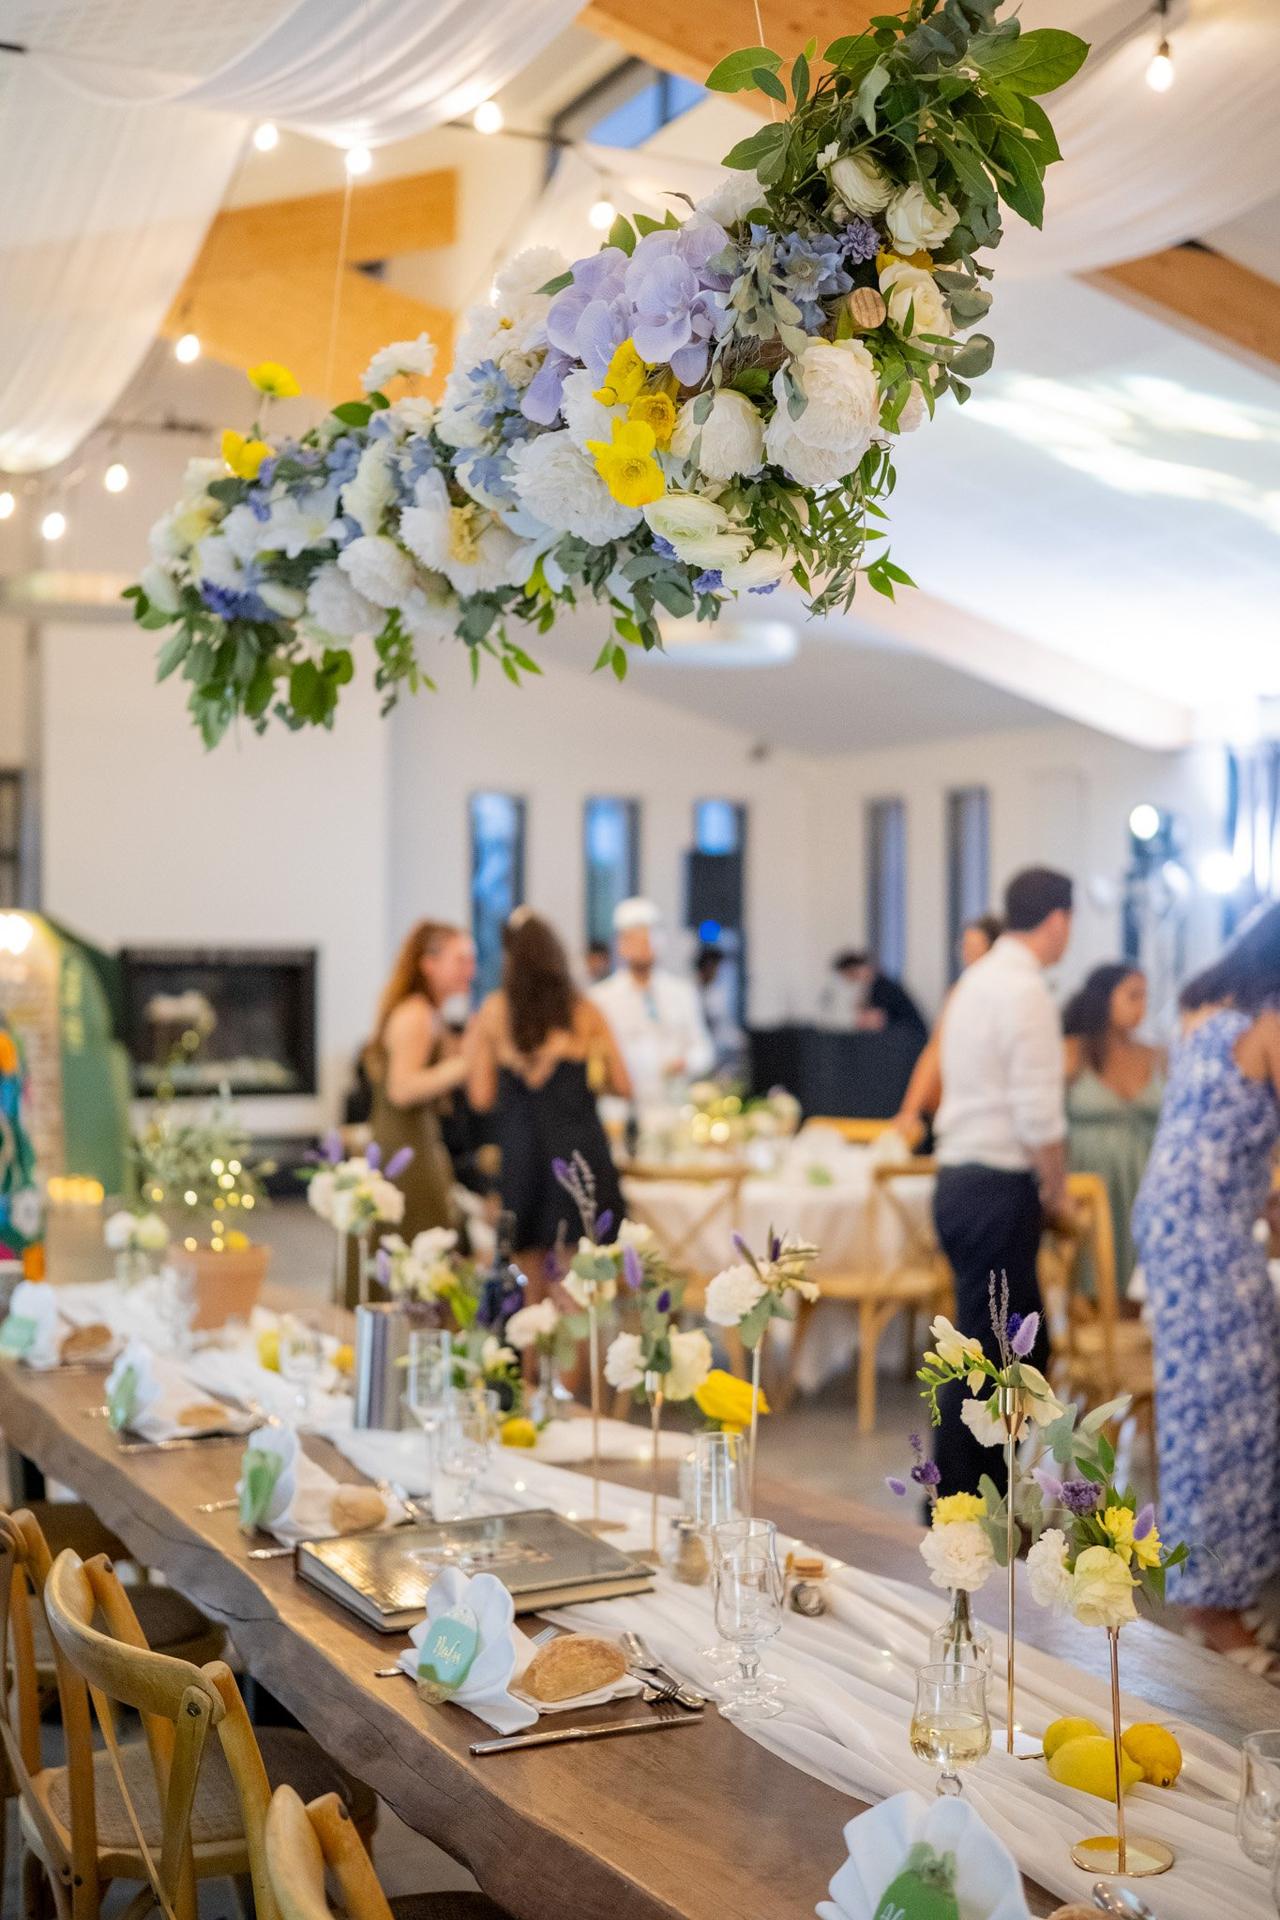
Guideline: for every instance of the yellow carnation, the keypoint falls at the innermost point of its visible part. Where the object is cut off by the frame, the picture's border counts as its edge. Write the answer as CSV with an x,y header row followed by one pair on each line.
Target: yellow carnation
x,y
627,464
958,1506
271,378
624,377
1118,1523
243,455
656,411
724,1398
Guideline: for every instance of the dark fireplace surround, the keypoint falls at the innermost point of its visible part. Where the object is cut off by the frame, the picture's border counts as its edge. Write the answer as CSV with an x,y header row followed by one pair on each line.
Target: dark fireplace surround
x,y
253,1008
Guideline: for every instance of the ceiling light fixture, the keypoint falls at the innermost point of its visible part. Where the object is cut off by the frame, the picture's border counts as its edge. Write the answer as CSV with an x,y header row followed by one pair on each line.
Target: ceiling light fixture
x,y
601,215
487,117
8,505
266,137
187,348
359,160
54,525
1144,821
116,477
1160,75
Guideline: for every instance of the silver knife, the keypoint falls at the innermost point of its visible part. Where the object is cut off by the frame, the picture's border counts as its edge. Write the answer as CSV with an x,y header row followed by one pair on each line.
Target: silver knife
x,y
562,1735
180,1445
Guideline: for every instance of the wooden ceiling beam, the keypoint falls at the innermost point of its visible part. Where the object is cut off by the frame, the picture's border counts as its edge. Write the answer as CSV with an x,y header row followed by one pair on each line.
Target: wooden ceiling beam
x,y
1221,302
689,36
387,218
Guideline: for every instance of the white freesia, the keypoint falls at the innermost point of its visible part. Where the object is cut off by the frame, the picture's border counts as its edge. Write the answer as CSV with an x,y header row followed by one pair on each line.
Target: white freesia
x,y
913,221
160,588
559,485
732,200
690,1363
622,1367
378,569
959,1557
983,1422
585,417
1047,1572
730,441
826,441
372,488
679,517
952,1347
1102,1589
858,183
493,1355
337,608
410,357
531,1324
732,1295
913,291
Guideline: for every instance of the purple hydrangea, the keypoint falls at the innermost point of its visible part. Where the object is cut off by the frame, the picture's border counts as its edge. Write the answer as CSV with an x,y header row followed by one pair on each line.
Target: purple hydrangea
x,y
672,288
666,551
859,240
541,399
591,317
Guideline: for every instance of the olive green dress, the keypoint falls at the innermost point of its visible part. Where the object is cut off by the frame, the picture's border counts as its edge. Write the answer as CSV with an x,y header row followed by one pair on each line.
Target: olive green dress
x,y
1111,1136
427,1181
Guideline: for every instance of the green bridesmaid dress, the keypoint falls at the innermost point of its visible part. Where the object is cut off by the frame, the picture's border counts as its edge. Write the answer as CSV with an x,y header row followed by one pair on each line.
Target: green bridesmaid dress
x,y
1111,1136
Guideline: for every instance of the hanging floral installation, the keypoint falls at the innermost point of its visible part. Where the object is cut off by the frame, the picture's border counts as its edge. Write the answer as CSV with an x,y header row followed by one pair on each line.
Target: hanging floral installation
x,y
703,410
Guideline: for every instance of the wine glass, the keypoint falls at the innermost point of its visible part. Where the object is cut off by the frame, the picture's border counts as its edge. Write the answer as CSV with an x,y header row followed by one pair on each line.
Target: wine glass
x,y
748,1602
464,1446
950,1728
301,1360
717,1496
428,1382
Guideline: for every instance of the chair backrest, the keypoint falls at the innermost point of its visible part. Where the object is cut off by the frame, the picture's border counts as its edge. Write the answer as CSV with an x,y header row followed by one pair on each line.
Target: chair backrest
x,y
860,1133
301,1842
177,1703
1061,1272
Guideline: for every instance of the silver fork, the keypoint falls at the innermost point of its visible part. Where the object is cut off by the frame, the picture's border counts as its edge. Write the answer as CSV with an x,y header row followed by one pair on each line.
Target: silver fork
x,y
656,1675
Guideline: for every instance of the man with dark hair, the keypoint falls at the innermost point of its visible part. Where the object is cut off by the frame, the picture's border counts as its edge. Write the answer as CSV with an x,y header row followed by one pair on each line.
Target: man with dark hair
x,y
1002,1134
868,1000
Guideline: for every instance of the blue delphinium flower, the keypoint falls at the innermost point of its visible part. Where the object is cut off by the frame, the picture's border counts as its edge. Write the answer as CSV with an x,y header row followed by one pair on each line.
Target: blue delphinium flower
x,y
494,394
663,548
808,269
343,458
770,586
230,604
859,241
708,580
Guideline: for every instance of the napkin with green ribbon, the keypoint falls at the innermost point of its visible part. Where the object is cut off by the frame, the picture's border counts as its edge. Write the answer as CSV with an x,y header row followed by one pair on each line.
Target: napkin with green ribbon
x,y
29,1331
286,1494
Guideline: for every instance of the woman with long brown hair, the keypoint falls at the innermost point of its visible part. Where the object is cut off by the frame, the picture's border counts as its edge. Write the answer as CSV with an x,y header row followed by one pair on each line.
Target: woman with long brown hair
x,y
414,1065
541,1053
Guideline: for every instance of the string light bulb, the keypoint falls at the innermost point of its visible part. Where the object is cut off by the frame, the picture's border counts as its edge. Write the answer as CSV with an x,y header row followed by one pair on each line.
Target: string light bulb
x,y
1160,70
116,477
359,160
487,117
54,525
186,348
8,505
601,215
266,136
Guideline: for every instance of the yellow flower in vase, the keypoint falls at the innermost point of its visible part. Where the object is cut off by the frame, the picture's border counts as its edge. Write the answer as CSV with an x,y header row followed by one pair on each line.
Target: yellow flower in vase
x,y
726,1400
627,464
244,455
275,381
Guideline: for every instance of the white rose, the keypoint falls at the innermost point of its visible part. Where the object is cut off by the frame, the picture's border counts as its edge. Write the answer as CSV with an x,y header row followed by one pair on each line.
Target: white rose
x,y
402,356
732,1295
378,569
959,1556
759,569
860,183
531,1324
622,1367
519,365
1102,1589
983,1422
732,436
913,290
372,488
679,517
714,549
690,1364
160,588
913,221
1047,1572
827,440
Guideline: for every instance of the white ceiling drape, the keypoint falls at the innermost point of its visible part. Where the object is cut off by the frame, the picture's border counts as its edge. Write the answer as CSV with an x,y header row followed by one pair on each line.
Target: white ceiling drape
x,y
120,130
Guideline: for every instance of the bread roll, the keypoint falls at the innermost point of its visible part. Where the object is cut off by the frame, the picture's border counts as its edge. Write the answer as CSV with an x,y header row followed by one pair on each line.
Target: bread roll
x,y
575,1663
354,1508
82,1343
203,1413
1076,1911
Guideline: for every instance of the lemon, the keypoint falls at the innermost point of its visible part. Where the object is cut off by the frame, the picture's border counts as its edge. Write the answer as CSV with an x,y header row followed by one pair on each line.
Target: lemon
x,y
519,1433
1063,1730
344,1358
1088,1762
1156,1751
269,1349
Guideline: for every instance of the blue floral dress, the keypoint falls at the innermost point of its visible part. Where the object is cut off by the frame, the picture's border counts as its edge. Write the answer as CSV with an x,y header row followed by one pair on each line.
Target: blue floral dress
x,y
1216,1324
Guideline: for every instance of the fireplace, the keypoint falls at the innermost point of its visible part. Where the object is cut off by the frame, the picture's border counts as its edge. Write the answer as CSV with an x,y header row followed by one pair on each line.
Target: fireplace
x,y
200,1018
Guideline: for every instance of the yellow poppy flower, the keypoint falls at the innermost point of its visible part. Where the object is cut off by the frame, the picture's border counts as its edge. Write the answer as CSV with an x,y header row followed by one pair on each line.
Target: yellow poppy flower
x,y
724,1398
271,378
627,466
624,377
656,411
243,455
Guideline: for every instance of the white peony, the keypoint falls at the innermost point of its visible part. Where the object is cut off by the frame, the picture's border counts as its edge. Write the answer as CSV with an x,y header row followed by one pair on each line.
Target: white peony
x,y
826,441
531,1324
160,588
913,290
411,357
622,1367
336,607
378,569
525,272
983,1422
1047,1573
690,1364
473,551
732,436
372,488
732,1295
859,183
682,517
913,221
585,417
959,1556
560,487
733,199
760,569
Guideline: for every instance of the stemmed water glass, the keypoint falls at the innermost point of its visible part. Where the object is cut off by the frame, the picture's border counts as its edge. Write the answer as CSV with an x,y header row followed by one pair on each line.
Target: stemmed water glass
x,y
749,1590
465,1443
950,1728
718,1495
428,1384
301,1360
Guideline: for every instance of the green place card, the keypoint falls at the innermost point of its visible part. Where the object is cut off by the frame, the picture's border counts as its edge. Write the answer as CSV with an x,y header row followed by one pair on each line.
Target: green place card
x,y
259,1473
122,1399
924,1890
17,1334
447,1654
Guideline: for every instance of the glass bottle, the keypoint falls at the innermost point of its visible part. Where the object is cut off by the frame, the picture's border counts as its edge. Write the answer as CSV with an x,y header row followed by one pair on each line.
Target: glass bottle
x,y
960,1639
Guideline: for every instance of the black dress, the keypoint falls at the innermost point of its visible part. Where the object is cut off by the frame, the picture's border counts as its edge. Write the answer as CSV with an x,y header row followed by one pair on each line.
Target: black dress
x,y
542,1124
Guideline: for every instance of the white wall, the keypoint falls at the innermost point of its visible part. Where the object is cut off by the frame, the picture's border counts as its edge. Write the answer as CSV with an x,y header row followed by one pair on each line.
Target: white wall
x,y
1059,796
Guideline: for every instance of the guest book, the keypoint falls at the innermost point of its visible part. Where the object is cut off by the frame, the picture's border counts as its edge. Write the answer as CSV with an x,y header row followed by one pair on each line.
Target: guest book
x,y
542,1560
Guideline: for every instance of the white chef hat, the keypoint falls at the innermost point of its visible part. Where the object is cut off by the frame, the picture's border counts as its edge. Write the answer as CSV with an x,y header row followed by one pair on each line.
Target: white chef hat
x,y
636,912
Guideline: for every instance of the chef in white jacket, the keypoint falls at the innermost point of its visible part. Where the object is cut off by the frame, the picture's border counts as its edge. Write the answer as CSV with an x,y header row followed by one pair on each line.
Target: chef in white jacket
x,y
656,1018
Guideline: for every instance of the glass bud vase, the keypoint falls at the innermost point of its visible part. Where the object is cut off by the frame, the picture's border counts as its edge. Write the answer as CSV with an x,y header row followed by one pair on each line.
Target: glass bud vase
x,y
960,1639
132,1264
543,1404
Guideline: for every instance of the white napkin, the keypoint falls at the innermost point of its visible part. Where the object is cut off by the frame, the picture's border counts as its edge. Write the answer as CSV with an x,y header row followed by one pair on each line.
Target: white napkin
x,y
299,1505
234,1373
146,1396
988,1884
31,1329
480,1609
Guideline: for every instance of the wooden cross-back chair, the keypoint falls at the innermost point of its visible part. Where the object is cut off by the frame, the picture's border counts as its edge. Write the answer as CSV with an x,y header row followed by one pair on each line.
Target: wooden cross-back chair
x,y
722,1210
166,1810
306,1843
857,1132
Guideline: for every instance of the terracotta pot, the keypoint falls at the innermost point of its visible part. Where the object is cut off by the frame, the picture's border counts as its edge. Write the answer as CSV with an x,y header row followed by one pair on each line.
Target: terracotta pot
x,y
228,1285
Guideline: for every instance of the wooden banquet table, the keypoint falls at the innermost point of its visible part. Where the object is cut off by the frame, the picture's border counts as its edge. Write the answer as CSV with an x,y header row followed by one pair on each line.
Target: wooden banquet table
x,y
708,1827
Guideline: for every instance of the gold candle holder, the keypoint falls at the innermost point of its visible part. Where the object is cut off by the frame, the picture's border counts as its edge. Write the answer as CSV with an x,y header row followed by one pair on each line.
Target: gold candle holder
x,y
1132,1855
595,1524
653,1389
1010,1407
755,1426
